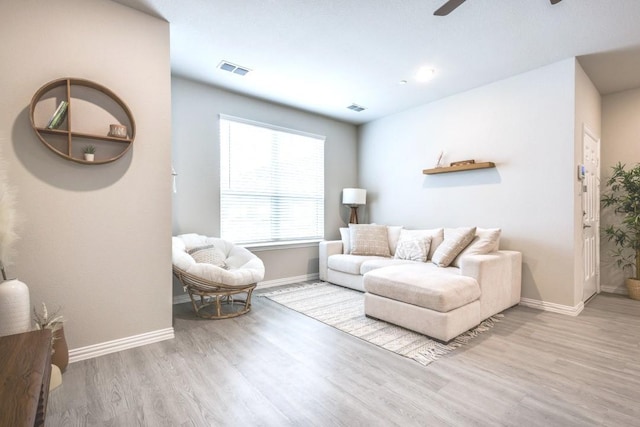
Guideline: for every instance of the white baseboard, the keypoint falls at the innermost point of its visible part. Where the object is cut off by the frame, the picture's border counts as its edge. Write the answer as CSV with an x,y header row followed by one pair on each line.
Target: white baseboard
x,y
287,280
553,307
91,351
179,299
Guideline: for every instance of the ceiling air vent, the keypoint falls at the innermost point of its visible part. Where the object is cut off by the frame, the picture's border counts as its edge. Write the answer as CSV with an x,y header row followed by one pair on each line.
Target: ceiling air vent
x,y
357,108
233,68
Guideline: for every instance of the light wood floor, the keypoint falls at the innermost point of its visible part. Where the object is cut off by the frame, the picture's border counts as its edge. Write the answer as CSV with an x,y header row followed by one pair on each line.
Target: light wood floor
x,y
275,367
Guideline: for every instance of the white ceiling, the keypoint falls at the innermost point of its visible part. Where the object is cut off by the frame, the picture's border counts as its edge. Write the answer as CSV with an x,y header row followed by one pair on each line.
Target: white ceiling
x,y
322,55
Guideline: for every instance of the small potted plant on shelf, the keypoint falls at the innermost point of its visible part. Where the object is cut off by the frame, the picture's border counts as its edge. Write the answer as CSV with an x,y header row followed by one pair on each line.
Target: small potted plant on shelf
x,y
623,195
89,153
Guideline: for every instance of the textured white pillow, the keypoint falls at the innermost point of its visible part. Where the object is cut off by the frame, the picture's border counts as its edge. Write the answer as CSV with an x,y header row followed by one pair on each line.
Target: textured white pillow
x,y
369,239
487,240
412,246
455,240
436,235
345,236
209,255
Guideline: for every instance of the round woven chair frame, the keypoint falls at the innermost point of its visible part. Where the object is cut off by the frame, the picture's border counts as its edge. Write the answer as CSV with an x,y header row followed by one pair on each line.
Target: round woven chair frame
x,y
204,293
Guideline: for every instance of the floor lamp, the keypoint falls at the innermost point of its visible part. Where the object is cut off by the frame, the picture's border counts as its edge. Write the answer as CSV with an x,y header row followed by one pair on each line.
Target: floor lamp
x,y
354,197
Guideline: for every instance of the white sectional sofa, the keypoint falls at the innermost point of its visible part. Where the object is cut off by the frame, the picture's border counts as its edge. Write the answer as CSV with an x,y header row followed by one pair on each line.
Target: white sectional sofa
x,y
439,282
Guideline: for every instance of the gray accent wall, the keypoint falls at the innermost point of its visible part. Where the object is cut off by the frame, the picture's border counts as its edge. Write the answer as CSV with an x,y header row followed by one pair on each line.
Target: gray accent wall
x,y
526,125
196,147
95,239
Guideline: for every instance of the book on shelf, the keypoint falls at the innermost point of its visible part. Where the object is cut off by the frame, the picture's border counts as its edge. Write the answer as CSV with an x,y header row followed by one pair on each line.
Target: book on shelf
x,y
58,116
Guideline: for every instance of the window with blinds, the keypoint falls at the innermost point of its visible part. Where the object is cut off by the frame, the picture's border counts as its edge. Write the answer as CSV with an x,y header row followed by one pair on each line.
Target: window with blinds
x,y
271,183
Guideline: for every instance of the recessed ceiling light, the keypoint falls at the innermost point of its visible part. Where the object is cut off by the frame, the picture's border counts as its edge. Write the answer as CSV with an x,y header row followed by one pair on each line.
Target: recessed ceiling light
x,y
357,108
233,68
402,82
425,74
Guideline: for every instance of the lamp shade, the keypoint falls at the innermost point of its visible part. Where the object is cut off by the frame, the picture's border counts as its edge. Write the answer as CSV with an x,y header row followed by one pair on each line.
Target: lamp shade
x,y
354,196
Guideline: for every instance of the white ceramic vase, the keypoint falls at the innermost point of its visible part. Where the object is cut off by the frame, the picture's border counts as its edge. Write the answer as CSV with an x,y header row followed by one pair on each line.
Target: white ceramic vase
x,y
89,157
15,307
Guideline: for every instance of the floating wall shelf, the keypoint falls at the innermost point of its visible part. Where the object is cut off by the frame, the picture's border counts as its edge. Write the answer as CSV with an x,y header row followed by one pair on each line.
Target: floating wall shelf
x,y
459,168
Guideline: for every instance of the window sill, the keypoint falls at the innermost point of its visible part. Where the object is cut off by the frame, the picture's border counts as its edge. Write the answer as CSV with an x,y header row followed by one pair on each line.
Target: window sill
x,y
272,246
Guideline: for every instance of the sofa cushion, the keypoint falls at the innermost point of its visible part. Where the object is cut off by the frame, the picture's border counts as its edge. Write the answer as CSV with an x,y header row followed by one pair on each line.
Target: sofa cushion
x,y
420,285
349,263
369,239
455,240
413,246
378,262
487,240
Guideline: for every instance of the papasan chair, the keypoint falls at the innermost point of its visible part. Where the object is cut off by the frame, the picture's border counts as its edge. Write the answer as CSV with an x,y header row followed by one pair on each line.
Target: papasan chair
x,y
216,273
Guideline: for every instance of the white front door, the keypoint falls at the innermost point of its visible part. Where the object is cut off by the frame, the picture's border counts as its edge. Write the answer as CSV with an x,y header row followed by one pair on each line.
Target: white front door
x,y
591,214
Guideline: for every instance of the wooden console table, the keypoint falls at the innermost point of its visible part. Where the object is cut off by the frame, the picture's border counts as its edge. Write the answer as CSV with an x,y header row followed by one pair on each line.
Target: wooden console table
x,y
25,371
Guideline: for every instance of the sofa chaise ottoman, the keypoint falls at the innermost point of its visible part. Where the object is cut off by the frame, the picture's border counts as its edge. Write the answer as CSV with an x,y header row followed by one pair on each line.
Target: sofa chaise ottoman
x,y
449,283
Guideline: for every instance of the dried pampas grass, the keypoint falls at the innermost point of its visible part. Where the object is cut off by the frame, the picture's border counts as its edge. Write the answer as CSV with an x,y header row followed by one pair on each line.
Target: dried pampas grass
x,y
8,220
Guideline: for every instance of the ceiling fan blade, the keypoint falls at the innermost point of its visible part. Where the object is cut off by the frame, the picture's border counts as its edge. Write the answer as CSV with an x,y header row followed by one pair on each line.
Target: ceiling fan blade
x,y
450,6
555,1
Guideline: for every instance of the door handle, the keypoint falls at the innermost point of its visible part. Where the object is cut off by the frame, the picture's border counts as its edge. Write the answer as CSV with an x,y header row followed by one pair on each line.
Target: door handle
x,y
586,226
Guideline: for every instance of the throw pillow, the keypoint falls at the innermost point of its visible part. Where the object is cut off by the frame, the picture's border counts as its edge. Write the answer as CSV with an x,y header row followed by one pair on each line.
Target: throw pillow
x,y
487,240
209,255
393,233
436,236
412,246
455,240
369,239
345,236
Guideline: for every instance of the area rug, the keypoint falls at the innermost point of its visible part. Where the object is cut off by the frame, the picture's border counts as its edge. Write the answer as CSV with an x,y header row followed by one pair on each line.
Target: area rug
x,y
343,309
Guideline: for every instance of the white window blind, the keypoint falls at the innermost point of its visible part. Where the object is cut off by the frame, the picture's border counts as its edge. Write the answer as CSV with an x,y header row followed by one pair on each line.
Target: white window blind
x,y
271,183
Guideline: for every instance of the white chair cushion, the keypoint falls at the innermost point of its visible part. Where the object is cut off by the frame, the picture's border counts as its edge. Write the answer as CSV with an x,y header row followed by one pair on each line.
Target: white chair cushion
x,y
244,268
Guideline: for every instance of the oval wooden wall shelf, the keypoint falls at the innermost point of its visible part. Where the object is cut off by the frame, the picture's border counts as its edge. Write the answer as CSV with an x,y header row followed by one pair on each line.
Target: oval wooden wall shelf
x,y
67,142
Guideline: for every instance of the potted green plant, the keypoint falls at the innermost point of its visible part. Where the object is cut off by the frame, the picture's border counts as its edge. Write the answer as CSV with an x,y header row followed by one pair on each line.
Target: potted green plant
x,y
623,195
89,152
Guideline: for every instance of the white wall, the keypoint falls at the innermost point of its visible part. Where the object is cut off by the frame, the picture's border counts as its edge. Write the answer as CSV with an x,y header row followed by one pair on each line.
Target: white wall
x,y
620,142
588,114
196,108
525,124
95,239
